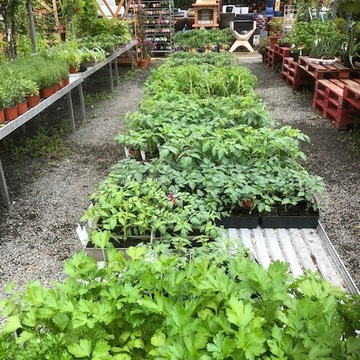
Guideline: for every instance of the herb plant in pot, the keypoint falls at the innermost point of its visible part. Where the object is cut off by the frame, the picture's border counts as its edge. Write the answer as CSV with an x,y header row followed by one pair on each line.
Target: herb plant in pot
x,y
147,47
10,94
276,25
325,49
31,91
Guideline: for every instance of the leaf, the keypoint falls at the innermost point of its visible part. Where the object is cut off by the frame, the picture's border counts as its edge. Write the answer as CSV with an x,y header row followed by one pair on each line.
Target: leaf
x,y
122,357
81,349
221,347
101,238
61,320
158,339
186,161
101,349
136,252
12,324
238,313
25,336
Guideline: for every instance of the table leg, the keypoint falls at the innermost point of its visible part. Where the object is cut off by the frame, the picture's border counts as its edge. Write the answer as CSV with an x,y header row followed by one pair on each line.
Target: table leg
x,y
132,58
82,102
71,111
111,77
116,73
4,189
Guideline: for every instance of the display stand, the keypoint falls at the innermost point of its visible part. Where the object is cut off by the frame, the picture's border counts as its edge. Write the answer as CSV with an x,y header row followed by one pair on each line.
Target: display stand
x,y
159,24
289,17
76,81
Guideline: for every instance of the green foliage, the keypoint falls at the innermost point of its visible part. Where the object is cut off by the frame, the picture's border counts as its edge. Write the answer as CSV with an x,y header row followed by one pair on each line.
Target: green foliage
x,y
203,38
47,142
304,34
44,69
11,91
212,58
326,47
212,302
261,46
351,46
202,80
350,6
212,145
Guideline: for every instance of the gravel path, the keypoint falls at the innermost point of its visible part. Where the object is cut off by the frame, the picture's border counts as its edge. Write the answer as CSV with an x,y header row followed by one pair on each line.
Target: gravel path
x,y
37,232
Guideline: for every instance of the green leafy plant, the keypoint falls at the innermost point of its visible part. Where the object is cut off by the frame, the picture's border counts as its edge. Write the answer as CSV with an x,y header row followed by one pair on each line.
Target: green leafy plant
x,y
277,26
326,47
212,302
303,34
261,46
351,47
203,38
47,142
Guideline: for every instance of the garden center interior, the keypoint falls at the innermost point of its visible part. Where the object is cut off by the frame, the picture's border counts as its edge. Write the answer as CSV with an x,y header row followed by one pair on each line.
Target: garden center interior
x,y
179,180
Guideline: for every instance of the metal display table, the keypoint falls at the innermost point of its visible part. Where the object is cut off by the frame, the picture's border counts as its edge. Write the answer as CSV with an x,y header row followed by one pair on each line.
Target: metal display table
x,y
76,81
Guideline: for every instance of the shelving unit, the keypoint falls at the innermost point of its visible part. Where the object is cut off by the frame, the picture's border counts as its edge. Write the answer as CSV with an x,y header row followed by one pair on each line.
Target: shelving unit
x,y
289,17
160,24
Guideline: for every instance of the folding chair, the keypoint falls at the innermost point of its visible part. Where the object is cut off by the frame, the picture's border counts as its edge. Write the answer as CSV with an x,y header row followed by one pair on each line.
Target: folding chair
x,y
242,39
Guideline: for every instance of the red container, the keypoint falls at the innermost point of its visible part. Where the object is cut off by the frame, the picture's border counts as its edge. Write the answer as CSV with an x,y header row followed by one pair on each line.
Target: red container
x,y
22,108
11,113
2,116
32,101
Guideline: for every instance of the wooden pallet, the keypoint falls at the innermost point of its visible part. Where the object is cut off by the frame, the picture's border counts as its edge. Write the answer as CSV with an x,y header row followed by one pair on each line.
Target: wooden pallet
x,y
293,75
324,71
329,101
352,94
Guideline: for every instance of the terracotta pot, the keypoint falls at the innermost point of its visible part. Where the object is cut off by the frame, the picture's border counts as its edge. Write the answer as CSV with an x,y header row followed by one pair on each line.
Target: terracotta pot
x,y
22,107
32,101
47,92
273,41
144,63
65,81
73,70
57,87
2,116
11,113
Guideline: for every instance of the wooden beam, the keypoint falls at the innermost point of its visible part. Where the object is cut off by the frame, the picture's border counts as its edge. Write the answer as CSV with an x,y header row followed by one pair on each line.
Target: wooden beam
x,y
56,15
108,7
121,3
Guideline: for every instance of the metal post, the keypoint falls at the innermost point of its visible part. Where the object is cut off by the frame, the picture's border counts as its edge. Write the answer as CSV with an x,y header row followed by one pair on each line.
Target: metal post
x,y
4,190
132,58
32,27
116,72
71,111
82,102
111,77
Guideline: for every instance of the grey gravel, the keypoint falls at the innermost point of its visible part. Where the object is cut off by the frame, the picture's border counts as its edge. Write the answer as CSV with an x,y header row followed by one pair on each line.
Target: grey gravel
x,y
37,232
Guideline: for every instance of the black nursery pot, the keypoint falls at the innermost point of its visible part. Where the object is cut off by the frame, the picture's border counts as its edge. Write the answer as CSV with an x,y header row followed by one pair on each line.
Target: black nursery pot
x,y
239,219
296,217
295,56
